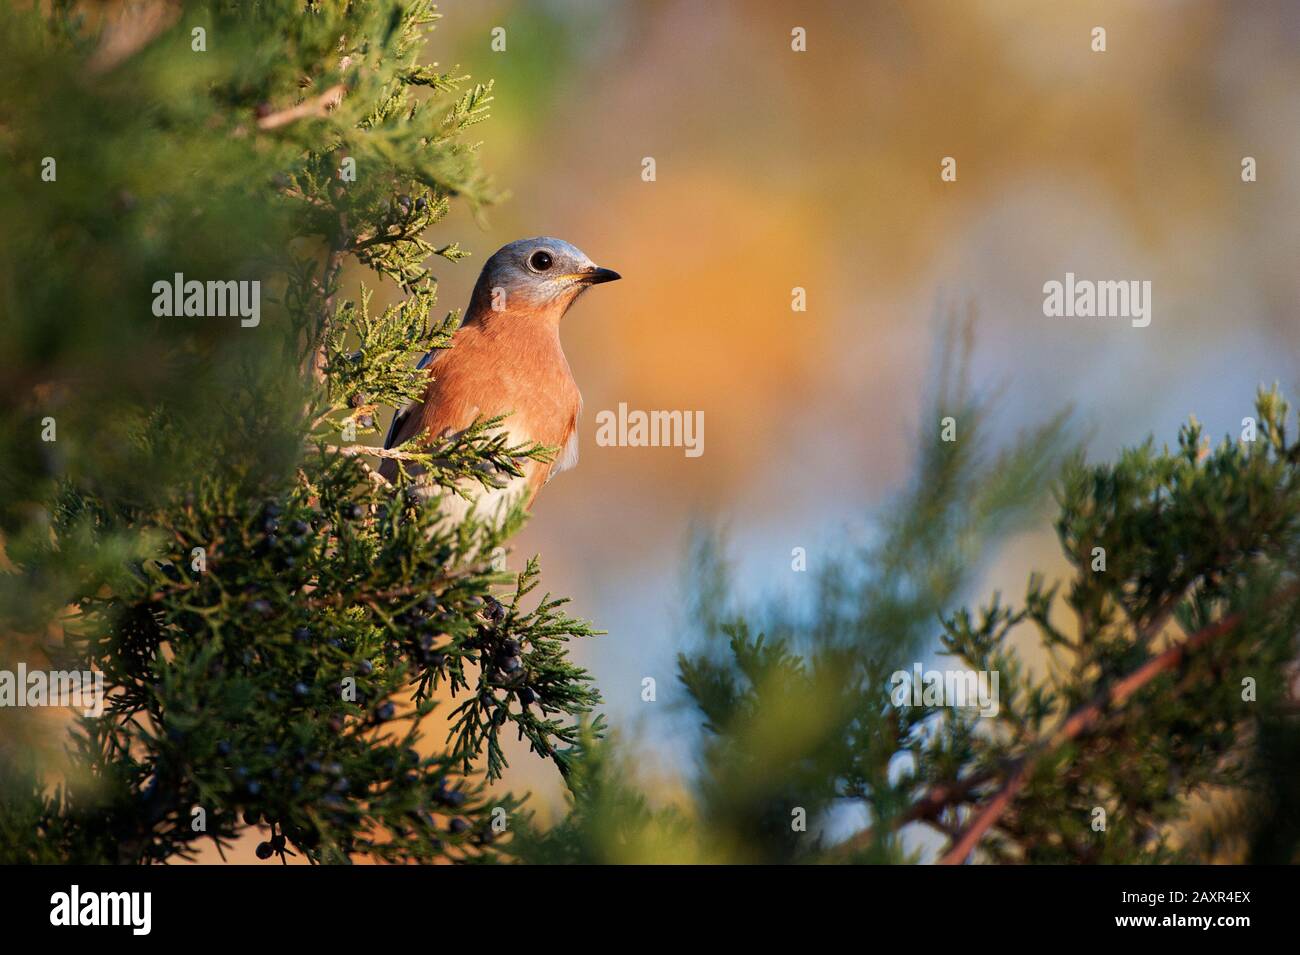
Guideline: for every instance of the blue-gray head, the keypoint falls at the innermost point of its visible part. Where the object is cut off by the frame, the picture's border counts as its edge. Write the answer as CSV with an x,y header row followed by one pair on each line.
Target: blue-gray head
x,y
538,277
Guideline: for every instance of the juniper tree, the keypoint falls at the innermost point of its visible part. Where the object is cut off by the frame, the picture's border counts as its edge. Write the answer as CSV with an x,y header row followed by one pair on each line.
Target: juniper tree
x,y
1168,685
187,506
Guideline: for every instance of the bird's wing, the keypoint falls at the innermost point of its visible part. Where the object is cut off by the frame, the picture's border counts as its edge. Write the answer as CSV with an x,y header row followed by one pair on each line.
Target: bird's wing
x,y
403,416
568,456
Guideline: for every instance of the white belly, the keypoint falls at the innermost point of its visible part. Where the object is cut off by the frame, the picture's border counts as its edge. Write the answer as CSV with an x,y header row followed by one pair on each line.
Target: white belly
x,y
490,505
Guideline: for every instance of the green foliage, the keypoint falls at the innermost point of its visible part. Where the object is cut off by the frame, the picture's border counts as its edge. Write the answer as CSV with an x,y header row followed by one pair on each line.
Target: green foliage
x,y
1193,538
797,714
609,820
793,698
271,618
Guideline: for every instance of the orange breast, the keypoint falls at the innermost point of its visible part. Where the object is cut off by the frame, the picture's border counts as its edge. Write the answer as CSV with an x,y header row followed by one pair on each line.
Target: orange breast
x,y
508,364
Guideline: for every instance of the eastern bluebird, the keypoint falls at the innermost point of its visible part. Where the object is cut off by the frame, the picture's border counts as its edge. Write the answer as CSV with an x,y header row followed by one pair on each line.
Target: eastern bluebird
x,y
506,358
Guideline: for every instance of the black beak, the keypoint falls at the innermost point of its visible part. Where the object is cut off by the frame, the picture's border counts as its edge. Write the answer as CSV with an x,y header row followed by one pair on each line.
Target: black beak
x,y
598,275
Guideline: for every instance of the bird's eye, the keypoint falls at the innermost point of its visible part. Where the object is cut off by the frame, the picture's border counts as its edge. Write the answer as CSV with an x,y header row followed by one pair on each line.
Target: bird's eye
x,y
540,261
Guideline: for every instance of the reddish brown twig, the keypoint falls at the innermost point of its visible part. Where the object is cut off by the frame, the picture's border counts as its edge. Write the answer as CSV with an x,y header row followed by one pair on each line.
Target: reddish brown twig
x,y
926,809
128,29
1084,719
329,280
316,106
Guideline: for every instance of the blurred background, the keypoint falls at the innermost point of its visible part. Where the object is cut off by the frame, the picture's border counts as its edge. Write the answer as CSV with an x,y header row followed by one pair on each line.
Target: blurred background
x,y
821,169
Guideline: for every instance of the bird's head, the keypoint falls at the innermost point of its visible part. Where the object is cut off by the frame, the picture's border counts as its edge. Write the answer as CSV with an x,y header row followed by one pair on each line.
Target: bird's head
x,y
538,277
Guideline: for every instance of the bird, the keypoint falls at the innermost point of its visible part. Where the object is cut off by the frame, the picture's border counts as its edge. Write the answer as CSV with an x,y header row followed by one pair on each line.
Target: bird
x,y
506,358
